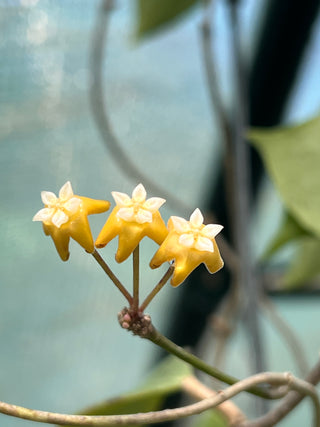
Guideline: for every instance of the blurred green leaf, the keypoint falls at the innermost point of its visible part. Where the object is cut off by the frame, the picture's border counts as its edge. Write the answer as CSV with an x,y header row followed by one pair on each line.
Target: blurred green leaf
x,y
168,375
305,265
211,418
152,15
292,157
289,230
164,380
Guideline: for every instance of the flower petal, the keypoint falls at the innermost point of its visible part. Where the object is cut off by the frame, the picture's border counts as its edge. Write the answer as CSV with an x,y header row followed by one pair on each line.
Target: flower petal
x,y
44,214
186,240
65,192
48,198
126,214
154,203
139,194
204,244
143,216
72,205
196,218
59,218
180,224
121,199
211,230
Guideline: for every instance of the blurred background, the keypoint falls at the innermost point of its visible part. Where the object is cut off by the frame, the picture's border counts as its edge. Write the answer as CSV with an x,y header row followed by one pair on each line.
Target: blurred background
x,y
61,345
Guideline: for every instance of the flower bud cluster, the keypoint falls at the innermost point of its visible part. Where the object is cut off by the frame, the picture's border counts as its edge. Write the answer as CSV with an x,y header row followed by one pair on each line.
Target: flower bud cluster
x,y
138,323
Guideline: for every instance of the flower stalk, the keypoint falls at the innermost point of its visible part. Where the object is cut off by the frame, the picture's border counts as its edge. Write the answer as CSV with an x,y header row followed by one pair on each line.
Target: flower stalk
x,y
112,276
156,289
135,260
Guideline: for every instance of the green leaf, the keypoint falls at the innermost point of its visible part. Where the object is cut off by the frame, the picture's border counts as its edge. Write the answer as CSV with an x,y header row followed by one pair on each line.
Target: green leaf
x,y
167,376
306,264
152,15
164,380
211,418
292,157
289,231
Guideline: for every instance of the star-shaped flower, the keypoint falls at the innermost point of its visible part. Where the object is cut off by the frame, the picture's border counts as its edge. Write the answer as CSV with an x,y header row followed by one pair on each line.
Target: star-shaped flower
x,y
66,216
132,219
189,243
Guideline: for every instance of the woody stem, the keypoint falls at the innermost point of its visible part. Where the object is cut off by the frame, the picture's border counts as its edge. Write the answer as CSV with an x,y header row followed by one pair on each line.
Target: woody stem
x,y
157,288
112,276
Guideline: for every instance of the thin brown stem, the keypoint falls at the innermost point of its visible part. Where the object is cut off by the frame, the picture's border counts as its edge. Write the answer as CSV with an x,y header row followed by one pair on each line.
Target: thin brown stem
x,y
99,98
269,309
98,101
248,285
218,108
287,404
224,322
112,276
195,388
135,261
287,332
157,288
101,116
219,111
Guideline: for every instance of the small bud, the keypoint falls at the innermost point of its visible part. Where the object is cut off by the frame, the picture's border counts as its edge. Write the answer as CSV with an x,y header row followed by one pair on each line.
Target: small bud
x,y
127,318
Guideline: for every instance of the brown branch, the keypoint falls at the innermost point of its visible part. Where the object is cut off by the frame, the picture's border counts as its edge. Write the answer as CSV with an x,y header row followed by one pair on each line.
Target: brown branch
x,y
198,390
274,379
286,405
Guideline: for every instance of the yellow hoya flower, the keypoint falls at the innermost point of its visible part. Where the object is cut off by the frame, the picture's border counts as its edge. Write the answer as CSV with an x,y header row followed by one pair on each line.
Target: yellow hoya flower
x,y
189,243
66,216
132,219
